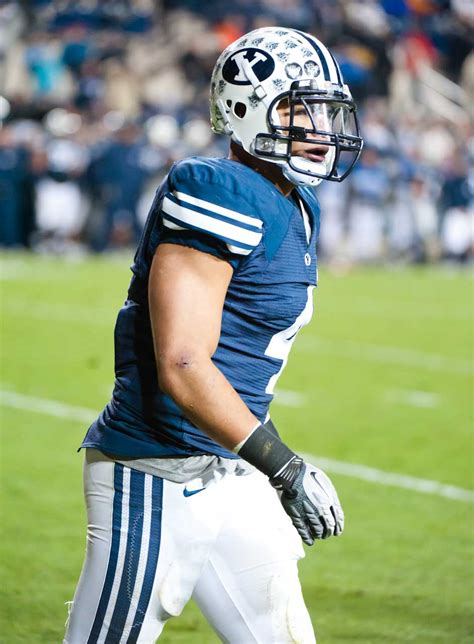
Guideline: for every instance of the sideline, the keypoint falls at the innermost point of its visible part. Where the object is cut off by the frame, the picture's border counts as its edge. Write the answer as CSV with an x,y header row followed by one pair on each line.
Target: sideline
x,y
353,470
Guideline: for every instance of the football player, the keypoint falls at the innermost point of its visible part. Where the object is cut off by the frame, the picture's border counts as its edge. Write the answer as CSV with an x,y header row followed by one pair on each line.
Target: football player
x,y
189,489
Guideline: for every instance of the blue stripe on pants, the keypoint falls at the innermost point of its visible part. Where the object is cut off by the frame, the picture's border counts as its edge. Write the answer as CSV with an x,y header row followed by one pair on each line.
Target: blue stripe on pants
x,y
132,557
114,549
152,560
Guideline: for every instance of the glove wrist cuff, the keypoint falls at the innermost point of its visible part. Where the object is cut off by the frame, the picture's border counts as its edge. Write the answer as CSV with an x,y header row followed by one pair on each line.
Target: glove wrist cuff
x,y
284,479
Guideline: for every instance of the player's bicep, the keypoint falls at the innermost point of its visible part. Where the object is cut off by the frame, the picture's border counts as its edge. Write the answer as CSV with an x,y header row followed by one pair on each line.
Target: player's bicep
x,y
186,292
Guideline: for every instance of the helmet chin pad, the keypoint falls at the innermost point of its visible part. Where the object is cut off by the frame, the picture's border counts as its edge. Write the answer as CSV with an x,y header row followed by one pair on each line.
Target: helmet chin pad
x,y
302,171
296,169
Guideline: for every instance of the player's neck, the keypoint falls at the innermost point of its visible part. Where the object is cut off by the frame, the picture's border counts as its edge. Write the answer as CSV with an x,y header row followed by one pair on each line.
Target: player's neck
x,y
270,171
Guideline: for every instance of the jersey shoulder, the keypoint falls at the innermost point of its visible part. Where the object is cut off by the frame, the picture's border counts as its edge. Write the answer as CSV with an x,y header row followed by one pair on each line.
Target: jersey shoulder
x,y
209,196
234,195
234,182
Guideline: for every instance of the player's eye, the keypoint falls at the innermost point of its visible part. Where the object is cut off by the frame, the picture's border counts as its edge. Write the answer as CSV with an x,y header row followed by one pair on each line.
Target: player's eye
x,y
299,111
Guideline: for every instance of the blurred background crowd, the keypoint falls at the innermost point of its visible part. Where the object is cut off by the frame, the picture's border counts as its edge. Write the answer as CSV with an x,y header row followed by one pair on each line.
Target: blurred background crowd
x,y
99,97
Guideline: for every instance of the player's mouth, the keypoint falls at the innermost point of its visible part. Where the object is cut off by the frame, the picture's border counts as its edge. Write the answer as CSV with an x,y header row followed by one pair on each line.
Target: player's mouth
x,y
317,155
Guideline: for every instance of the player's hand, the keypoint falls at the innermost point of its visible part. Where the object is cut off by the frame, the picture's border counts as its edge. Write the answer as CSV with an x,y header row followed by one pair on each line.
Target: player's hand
x,y
310,500
307,494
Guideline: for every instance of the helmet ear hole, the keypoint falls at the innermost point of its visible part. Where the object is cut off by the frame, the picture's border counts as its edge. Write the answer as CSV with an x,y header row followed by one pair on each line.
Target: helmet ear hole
x,y
240,110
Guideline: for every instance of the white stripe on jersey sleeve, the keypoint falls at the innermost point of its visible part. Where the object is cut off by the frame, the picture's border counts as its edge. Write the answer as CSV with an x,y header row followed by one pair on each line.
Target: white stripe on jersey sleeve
x,y
171,224
208,223
220,210
233,249
238,251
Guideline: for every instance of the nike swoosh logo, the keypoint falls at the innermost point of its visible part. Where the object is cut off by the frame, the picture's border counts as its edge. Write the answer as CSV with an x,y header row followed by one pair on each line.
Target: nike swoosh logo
x,y
187,492
318,483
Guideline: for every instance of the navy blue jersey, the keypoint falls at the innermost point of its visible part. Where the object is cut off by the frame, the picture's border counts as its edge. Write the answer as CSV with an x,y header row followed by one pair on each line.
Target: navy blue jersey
x,y
227,209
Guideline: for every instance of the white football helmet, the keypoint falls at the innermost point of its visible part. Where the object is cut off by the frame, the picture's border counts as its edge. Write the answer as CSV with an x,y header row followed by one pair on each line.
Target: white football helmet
x,y
266,66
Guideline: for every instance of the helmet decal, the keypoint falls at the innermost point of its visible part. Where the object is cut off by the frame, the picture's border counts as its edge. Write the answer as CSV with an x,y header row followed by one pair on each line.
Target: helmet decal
x,y
253,101
312,68
262,65
293,70
271,46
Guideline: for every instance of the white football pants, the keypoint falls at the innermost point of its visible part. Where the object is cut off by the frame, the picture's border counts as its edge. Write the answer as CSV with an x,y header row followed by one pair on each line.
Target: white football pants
x,y
152,544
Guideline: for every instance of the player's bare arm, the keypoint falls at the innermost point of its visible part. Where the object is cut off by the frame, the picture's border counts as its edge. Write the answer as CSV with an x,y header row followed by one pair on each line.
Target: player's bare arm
x,y
186,311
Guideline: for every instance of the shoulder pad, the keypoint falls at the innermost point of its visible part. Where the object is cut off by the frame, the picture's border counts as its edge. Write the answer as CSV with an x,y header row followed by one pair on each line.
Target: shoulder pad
x,y
207,197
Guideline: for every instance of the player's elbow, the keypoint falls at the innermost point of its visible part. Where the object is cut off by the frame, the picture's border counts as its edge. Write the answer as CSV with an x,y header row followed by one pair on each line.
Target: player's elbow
x,y
175,370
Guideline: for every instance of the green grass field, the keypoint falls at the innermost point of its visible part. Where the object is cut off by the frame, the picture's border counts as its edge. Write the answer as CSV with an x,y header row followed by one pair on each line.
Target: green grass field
x,y
382,377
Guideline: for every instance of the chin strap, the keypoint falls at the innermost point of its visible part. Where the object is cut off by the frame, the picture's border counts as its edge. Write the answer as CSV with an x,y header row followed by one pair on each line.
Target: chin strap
x,y
223,112
256,84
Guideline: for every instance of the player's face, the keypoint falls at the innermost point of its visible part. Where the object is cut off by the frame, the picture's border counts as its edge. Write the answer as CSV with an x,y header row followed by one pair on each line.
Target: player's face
x,y
316,118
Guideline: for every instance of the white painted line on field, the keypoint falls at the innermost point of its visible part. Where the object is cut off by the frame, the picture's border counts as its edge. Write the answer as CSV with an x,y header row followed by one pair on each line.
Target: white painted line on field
x,y
353,470
413,398
45,406
288,398
385,354
24,271
426,486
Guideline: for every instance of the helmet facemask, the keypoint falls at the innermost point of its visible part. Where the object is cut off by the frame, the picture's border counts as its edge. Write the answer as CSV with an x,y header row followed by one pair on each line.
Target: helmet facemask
x,y
324,121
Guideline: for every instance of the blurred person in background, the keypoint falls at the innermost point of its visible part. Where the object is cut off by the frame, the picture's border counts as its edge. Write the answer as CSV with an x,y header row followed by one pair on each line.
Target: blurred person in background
x,y
76,49
43,58
369,194
118,173
60,201
457,209
422,202
457,234
16,191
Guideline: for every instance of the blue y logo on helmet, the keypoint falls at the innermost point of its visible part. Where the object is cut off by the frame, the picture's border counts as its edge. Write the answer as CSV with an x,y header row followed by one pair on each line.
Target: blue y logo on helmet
x,y
262,65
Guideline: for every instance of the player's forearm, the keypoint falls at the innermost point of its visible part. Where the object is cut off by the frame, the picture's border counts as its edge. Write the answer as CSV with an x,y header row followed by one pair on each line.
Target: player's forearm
x,y
211,403
207,398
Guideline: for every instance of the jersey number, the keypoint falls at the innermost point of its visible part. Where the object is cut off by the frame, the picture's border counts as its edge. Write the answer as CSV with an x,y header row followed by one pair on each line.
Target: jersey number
x,y
281,343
